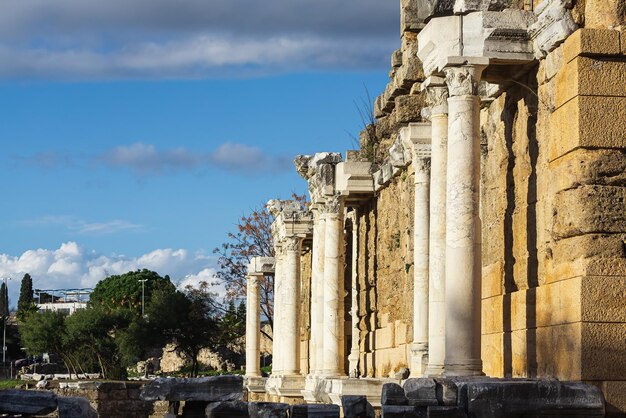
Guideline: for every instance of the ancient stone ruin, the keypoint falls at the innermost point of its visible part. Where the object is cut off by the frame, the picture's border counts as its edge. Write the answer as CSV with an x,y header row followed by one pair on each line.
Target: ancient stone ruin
x,y
479,231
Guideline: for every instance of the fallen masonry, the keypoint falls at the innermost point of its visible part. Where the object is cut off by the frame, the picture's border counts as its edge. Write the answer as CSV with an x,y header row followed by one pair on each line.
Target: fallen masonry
x,y
222,397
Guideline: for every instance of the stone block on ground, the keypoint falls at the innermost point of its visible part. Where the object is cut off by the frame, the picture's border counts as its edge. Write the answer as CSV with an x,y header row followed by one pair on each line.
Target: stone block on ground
x,y
235,409
403,411
446,412
421,391
268,410
393,394
356,407
74,407
524,398
206,389
315,411
27,402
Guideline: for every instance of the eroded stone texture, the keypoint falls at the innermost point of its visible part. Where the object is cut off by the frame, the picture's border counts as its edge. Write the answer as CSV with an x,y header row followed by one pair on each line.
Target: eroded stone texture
x,y
393,394
74,407
356,407
27,402
227,410
206,389
315,411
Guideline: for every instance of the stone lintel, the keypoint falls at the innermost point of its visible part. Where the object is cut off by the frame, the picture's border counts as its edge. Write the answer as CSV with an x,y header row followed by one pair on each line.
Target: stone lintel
x,y
354,181
260,266
501,37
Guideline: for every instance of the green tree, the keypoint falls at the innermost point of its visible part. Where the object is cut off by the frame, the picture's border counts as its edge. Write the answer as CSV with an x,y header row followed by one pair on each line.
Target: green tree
x,y
4,302
187,319
26,303
124,291
91,333
45,332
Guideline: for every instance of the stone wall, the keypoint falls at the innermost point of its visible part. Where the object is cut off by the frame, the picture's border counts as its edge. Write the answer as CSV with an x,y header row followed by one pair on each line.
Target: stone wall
x,y
386,282
305,315
554,225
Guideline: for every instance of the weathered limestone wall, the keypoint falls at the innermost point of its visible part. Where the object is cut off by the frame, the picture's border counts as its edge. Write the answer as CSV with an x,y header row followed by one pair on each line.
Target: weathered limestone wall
x,y
554,218
386,282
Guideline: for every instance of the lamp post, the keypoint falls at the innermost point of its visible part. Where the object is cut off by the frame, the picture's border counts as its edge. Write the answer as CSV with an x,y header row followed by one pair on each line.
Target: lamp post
x,y
143,294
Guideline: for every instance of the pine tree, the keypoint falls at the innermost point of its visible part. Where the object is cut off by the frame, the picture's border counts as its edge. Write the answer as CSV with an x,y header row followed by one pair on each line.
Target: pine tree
x,y
25,303
4,302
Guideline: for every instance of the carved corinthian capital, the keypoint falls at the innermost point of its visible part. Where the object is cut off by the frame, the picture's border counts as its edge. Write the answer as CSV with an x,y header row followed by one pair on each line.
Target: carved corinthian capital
x,y
333,204
437,99
292,243
463,81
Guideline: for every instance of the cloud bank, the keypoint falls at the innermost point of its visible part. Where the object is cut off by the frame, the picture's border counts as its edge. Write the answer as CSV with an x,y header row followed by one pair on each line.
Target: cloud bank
x,y
72,266
92,39
146,159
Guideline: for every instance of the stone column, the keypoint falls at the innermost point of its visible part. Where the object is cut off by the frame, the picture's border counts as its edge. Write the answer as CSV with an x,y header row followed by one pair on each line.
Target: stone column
x,y
421,225
317,302
463,227
353,358
438,101
253,328
277,337
290,307
333,335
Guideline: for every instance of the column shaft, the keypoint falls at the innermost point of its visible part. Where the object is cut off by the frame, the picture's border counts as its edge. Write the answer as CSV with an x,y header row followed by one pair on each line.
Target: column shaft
x,y
463,234
437,253
333,292
419,348
277,338
317,318
253,328
353,358
291,308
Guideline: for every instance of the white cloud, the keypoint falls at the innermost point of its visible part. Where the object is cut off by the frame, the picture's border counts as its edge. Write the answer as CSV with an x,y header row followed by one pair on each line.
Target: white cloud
x,y
71,266
91,39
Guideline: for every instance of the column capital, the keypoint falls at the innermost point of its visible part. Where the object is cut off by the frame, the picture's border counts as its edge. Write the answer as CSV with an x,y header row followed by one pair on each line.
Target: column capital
x,y
463,80
292,243
333,204
437,99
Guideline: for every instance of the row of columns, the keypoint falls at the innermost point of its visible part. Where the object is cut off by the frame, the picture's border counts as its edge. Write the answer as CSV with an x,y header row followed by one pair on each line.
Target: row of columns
x,y
447,236
447,252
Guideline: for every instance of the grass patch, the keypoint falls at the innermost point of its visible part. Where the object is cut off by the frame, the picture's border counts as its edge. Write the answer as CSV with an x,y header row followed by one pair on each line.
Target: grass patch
x,y
9,384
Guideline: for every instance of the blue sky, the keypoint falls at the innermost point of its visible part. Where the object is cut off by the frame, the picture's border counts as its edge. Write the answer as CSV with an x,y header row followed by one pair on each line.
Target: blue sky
x,y
135,139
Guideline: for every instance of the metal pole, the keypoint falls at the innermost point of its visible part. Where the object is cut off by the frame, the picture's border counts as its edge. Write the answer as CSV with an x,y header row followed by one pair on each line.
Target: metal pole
x,y
4,331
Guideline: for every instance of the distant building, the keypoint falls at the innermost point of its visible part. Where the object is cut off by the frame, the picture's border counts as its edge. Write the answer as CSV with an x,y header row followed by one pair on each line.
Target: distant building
x,y
67,301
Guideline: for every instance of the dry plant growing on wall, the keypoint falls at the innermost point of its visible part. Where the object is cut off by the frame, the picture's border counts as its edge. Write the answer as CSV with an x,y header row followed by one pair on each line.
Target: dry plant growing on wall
x,y
252,238
367,141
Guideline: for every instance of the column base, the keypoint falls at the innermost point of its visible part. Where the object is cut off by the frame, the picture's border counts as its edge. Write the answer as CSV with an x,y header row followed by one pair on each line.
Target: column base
x,y
325,390
419,360
465,368
255,384
434,370
290,386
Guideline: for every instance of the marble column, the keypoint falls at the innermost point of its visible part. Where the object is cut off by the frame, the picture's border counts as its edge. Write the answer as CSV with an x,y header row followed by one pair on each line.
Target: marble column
x,y
438,101
253,328
290,335
317,295
333,335
353,358
278,329
463,227
421,225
